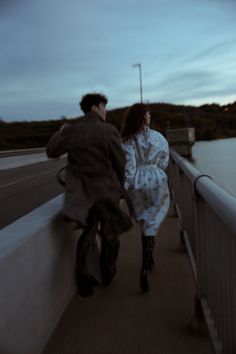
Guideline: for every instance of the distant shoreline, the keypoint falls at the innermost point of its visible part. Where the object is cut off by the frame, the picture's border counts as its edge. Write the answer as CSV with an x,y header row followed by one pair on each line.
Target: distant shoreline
x,y
211,122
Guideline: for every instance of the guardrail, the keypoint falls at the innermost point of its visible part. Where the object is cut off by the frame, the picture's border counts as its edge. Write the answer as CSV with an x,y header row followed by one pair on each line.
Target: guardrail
x,y
208,219
37,255
6,153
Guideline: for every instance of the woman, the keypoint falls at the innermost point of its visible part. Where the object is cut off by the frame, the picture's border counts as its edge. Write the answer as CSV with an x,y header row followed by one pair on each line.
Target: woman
x,y
147,156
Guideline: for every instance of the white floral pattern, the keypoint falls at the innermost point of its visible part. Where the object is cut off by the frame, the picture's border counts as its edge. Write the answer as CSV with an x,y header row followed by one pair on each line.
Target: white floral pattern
x,y
145,179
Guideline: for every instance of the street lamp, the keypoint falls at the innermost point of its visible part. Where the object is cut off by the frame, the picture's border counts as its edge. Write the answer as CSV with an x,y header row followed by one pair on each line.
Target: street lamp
x,y
140,79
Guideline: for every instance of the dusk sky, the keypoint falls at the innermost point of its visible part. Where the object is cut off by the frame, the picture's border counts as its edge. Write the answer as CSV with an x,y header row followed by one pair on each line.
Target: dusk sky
x,y
54,51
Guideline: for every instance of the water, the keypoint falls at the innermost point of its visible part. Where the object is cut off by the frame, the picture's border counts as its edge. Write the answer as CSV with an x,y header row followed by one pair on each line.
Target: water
x,y
217,158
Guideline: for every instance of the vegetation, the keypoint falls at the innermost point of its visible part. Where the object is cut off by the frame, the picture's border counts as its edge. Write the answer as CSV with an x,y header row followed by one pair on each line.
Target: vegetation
x,y
211,121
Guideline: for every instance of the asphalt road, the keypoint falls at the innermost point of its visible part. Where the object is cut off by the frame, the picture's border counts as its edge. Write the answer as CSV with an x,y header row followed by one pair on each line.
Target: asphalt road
x,y
23,189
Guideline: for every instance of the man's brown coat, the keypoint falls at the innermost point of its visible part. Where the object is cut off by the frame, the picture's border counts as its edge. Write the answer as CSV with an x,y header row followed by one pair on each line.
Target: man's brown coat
x,y
94,173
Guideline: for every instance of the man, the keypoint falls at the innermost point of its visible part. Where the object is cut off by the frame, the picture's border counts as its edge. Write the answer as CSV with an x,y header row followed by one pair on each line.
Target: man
x,y
94,179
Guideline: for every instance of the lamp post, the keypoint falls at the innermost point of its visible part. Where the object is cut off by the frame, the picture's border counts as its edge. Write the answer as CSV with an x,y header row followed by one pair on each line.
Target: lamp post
x,y
140,79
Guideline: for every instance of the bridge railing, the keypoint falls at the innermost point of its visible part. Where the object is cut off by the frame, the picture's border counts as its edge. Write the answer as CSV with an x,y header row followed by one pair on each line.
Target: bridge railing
x,y
208,219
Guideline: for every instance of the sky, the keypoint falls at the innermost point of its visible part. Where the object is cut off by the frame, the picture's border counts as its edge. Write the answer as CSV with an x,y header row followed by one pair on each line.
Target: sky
x,y
54,51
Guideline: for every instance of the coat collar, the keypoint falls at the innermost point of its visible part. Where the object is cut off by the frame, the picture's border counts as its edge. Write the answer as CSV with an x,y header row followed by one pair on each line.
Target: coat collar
x,y
93,115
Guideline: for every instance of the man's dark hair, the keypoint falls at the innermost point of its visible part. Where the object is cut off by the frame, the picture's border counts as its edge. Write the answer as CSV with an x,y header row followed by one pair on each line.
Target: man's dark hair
x,y
134,122
91,99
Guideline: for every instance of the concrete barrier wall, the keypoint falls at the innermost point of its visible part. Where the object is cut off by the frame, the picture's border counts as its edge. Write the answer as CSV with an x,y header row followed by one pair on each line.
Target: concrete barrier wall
x,y
16,152
37,254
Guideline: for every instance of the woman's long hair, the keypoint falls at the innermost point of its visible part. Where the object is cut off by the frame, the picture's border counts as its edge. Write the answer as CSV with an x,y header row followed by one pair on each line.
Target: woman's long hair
x,y
134,122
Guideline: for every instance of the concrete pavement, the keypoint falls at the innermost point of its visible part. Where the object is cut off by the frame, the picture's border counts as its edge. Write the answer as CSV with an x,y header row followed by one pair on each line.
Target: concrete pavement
x,y
122,320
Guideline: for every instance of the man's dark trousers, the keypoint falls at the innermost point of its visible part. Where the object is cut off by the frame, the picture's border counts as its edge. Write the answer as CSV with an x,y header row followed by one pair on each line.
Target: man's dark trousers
x,y
108,256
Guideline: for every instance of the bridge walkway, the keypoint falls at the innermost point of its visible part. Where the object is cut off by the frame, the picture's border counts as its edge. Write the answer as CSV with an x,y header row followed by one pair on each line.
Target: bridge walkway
x,y
122,320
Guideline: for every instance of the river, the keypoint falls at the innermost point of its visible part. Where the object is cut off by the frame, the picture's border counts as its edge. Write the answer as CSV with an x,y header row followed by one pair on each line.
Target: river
x,y
217,158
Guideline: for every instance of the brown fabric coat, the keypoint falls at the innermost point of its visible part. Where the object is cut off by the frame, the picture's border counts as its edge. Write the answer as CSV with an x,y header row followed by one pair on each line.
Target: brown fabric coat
x,y
95,172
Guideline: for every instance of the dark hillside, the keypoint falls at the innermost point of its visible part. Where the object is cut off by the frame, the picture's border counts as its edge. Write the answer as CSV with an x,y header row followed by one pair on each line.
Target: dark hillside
x,y
211,121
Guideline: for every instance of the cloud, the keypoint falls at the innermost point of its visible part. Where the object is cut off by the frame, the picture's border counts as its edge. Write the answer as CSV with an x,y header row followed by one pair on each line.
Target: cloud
x,y
5,5
56,51
192,86
217,50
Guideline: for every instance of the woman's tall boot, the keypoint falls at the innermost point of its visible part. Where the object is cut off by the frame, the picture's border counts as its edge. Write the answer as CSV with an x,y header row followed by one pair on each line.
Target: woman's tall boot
x,y
148,243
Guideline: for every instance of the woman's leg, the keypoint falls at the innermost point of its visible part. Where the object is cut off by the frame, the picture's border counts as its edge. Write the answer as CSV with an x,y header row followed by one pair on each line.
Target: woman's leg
x,y
148,243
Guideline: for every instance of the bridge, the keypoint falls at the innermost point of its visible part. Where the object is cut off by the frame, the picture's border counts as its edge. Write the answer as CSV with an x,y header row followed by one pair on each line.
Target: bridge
x,y
190,307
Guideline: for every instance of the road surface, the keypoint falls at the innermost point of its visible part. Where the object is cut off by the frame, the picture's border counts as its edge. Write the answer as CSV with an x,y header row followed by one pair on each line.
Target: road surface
x,y
24,188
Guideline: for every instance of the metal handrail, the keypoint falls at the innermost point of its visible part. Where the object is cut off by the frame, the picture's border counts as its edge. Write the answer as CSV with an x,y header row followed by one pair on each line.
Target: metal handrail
x,y
208,221
222,202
